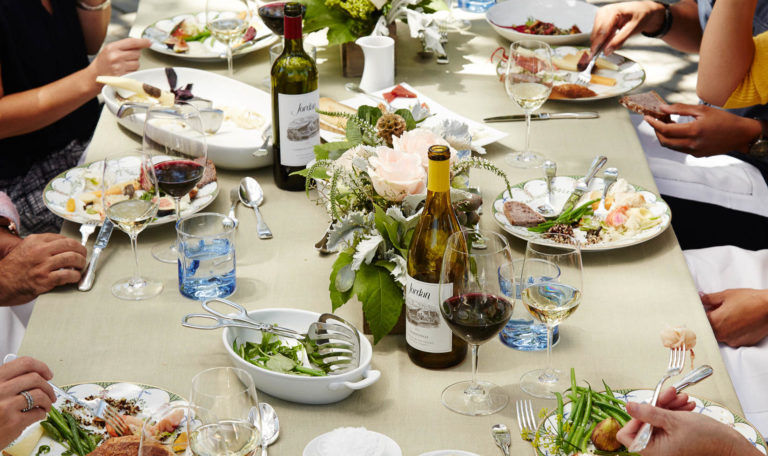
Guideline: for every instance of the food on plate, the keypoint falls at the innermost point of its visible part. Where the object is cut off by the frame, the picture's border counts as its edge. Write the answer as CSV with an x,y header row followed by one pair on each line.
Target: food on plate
x,y
571,91
674,337
604,435
646,103
129,446
286,356
398,92
24,446
335,124
520,214
163,97
570,62
186,30
535,26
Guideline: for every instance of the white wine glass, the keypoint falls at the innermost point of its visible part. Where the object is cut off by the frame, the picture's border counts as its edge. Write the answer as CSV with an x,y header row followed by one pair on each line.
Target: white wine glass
x,y
528,81
228,20
173,137
228,421
550,300
476,269
129,197
448,22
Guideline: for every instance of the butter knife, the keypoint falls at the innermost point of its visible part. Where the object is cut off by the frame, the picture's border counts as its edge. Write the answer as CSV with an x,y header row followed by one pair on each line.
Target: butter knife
x,y
581,187
544,116
101,242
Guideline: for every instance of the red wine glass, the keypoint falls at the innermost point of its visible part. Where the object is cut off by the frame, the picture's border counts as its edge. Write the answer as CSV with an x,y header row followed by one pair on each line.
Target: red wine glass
x,y
477,266
174,137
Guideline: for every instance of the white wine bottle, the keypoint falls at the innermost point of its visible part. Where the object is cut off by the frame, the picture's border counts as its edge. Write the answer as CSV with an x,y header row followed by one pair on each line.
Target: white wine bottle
x,y
430,341
295,121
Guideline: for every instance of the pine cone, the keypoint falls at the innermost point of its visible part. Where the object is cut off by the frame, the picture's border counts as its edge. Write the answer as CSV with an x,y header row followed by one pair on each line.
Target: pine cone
x,y
390,125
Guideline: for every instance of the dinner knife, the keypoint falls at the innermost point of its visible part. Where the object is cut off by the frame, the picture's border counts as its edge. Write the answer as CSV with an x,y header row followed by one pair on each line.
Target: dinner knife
x,y
101,242
544,116
581,187
693,377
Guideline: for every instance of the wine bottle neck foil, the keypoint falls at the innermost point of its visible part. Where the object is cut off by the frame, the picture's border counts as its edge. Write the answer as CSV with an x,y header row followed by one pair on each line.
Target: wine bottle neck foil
x,y
292,27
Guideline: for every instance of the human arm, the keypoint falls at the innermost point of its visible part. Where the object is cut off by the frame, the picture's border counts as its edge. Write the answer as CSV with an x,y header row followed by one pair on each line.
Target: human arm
x,y
23,374
31,110
679,432
94,24
738,316
727,50
618,21
712,132
39,263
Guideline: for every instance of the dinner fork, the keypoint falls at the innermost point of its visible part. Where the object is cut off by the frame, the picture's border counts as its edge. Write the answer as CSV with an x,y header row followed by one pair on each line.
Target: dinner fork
x,y
676,361
102,410
584,77
86,230
526,419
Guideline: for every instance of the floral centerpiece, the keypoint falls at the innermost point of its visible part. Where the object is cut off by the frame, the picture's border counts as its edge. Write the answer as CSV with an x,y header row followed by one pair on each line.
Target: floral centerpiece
x,y
372,184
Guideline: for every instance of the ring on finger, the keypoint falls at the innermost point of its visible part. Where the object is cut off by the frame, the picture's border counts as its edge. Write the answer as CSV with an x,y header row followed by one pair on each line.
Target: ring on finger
x,y
30,401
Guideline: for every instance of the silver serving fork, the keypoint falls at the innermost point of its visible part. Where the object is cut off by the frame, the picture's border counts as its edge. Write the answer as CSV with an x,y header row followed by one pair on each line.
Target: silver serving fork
x,y
338,343
86,230
609,178
102,410
526,419
676,361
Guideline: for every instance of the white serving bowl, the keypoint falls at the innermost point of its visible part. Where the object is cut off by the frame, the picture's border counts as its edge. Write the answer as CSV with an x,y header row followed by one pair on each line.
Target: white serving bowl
x,y
295,388
231,147
562,13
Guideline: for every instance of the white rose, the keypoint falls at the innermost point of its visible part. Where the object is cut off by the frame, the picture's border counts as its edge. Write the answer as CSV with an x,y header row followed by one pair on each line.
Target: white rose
x,y
396,174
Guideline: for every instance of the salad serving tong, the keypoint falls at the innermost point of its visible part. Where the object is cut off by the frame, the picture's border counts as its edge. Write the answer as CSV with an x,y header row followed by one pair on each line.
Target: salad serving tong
x,y
338,342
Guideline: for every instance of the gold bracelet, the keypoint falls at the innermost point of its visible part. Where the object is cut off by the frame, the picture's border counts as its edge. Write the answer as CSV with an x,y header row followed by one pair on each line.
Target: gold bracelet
x,y
100,7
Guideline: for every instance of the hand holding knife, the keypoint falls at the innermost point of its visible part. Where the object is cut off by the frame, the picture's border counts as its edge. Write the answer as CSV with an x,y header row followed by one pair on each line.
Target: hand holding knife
x,y
101,242
544,116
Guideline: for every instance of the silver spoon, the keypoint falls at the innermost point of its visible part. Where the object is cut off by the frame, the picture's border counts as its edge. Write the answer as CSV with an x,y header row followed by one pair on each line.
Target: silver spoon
x,y
252,195
352,87
266,135
270,426
502,438
234,197
550,170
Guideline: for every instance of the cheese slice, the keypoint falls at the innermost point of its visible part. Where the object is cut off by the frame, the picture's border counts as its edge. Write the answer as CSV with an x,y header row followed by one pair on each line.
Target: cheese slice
x,y
570,61
25,446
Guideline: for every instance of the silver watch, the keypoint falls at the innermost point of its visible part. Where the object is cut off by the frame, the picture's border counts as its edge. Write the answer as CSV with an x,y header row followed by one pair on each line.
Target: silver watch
x,y
759,147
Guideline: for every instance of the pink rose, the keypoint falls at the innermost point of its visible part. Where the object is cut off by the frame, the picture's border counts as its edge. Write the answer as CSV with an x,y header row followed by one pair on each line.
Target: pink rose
x,y
396,174
418,141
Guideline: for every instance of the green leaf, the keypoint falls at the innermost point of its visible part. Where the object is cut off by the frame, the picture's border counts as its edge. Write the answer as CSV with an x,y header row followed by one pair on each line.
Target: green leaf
x,y
332,150
410,123
370,114
354,133
339,298
387,227
382,299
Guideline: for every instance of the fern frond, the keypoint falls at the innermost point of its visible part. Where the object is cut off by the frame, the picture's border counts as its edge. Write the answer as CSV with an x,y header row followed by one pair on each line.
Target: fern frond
x,y
480,163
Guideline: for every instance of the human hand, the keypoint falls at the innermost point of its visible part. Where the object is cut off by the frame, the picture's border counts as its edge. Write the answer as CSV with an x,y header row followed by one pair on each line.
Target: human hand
x,y
616,22
738,316
23,374
119,57
37,264
712,132
681,433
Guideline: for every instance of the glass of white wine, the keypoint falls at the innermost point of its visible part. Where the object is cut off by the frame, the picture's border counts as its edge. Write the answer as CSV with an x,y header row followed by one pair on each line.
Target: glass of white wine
x,y
228,422
528,82
228,20
550,301
129,194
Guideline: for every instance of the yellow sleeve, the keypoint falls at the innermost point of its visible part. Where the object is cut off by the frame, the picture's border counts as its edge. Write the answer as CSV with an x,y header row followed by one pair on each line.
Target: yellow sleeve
x,y
753,90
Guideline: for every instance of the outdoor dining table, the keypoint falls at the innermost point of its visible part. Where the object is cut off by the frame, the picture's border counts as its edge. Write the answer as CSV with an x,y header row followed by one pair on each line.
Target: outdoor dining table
x,y
630,294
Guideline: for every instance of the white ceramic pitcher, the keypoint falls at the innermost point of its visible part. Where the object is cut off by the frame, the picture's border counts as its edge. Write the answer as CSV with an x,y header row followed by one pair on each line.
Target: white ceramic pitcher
x,y
379,69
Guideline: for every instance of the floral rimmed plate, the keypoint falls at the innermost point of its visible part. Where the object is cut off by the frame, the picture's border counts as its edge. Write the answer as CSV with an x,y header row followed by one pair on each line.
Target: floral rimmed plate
x,y
147,397
533,193
208,49
73,182
703,406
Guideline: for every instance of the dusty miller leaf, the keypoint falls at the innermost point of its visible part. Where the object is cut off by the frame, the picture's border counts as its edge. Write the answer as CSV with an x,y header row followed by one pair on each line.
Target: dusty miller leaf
x,y
366,250
343,232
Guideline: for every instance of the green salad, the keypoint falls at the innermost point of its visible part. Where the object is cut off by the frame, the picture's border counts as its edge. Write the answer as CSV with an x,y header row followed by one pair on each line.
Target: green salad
x,y
274,354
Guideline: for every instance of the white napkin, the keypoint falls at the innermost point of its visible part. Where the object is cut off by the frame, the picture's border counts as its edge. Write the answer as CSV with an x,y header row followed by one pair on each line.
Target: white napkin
x,y
722,180
719,268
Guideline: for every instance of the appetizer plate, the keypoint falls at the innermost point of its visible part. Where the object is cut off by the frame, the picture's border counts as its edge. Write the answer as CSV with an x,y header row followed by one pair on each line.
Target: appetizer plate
x,y
533,193
147,397
562,13
703,406
448,453
73,182
482,135
208,49
231,147
389,447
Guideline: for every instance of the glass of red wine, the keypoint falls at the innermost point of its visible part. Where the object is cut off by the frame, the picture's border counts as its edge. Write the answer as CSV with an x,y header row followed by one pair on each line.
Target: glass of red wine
x,y
174,137
477,268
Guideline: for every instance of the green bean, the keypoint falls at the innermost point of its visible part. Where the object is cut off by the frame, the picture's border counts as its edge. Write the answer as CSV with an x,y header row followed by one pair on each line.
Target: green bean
x,y
559,413
58,420
78,448
588,436
51,431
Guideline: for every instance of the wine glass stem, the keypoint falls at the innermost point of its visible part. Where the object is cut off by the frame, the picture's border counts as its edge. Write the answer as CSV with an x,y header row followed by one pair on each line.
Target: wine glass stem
x,y
475,348
527,133
549,373
177,208
136,281
229,58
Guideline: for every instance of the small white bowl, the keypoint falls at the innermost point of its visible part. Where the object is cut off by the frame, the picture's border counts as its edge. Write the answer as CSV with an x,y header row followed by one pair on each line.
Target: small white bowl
x,y
562,13
296,388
